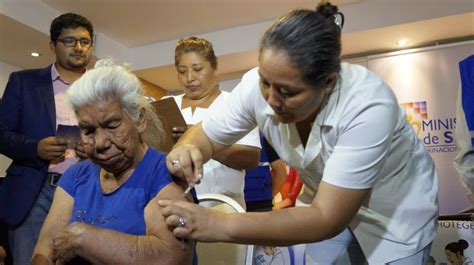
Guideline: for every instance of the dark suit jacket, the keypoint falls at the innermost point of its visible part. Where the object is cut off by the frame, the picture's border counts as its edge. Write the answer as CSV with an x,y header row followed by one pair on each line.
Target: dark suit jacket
x,y
27,115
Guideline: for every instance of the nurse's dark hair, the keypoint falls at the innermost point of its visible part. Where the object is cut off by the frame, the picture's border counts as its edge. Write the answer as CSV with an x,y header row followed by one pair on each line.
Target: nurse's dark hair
x,y
456,247
311,39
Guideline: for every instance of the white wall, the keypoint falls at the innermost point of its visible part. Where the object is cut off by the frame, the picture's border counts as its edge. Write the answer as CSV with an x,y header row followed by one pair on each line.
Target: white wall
x,y
5,70
228,85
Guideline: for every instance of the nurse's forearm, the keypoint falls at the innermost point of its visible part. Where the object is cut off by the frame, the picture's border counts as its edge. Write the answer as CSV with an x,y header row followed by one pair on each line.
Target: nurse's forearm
x,y
239,156
332,210
279,228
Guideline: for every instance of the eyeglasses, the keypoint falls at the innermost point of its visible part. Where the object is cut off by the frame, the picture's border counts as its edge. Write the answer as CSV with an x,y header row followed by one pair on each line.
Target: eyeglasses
x,y
71,42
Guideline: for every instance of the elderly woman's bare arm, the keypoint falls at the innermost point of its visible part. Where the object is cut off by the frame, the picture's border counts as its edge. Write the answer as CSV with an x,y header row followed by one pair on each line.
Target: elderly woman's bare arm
x,y
58,218
103,246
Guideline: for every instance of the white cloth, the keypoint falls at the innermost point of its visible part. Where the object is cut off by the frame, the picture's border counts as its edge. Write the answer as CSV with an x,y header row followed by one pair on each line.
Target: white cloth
x,y
467,261
361,139
219,178
464,160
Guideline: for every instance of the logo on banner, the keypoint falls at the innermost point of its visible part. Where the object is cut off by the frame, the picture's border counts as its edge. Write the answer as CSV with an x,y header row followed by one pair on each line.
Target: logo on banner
x,y
437,133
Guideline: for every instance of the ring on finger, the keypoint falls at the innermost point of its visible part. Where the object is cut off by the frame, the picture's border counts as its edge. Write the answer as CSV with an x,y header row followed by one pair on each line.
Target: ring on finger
x,y
181,221
174,162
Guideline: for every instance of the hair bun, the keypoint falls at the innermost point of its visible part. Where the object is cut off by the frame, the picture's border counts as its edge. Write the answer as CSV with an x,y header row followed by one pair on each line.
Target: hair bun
x,y
104,63
331,12
327,9
463,244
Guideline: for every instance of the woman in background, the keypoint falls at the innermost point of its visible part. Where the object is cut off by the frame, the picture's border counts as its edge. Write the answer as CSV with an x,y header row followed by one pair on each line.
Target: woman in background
x,y
196,65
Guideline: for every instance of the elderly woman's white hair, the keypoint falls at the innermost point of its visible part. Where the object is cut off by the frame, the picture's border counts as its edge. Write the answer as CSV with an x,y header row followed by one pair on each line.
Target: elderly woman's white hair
x,y
108,81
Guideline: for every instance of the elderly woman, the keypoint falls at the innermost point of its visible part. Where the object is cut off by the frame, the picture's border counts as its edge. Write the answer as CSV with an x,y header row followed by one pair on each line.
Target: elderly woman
x,y
105,209
196,65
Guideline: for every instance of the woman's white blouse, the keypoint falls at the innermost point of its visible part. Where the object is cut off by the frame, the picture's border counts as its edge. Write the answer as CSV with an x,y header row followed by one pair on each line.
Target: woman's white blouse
x,y
219,178
360,140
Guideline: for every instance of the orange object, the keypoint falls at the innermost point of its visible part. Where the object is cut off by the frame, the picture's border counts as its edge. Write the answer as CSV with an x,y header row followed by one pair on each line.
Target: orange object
x,y
292,186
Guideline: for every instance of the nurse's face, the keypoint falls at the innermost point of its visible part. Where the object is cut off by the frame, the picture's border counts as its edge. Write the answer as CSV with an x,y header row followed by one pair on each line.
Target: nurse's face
x,y
284,89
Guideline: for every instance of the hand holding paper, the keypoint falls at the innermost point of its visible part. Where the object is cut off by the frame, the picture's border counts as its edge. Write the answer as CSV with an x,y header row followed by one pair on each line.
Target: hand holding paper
x,y
51,148
70,133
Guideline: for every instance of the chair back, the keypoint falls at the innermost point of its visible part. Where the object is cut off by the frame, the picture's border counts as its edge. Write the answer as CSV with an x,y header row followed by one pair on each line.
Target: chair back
x,y
223,253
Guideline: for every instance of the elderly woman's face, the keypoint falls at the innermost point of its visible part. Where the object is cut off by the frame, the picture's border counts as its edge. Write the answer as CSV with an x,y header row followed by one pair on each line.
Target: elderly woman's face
x,y
291,98
196,75
111,138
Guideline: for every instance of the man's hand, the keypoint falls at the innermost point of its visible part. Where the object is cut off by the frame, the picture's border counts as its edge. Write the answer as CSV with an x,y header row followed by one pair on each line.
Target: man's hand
x,y
51,148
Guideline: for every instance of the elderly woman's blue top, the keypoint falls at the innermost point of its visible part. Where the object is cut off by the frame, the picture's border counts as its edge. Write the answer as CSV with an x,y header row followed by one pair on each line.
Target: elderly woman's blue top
x,y
121,210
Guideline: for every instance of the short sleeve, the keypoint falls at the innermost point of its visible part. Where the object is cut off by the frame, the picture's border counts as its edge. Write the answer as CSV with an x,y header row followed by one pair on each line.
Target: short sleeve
x,y
363,145
67,180
159,177
237,115
251,139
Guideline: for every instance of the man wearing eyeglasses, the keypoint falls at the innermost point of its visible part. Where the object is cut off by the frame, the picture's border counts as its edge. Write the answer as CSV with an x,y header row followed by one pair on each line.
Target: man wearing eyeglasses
x,y
33,105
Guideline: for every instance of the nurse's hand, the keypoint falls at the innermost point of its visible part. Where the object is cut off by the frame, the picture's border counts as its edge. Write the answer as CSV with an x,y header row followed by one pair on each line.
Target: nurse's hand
x,y
185,162
194,222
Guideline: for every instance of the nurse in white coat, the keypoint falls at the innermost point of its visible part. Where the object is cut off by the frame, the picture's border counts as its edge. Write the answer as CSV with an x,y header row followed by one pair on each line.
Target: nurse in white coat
x,y
341,126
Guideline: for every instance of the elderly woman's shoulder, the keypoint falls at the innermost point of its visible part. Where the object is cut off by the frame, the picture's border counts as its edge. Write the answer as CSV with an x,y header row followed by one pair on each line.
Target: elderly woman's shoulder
x,y
153,170
81,168
155,153
86,163
154,159
82,172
